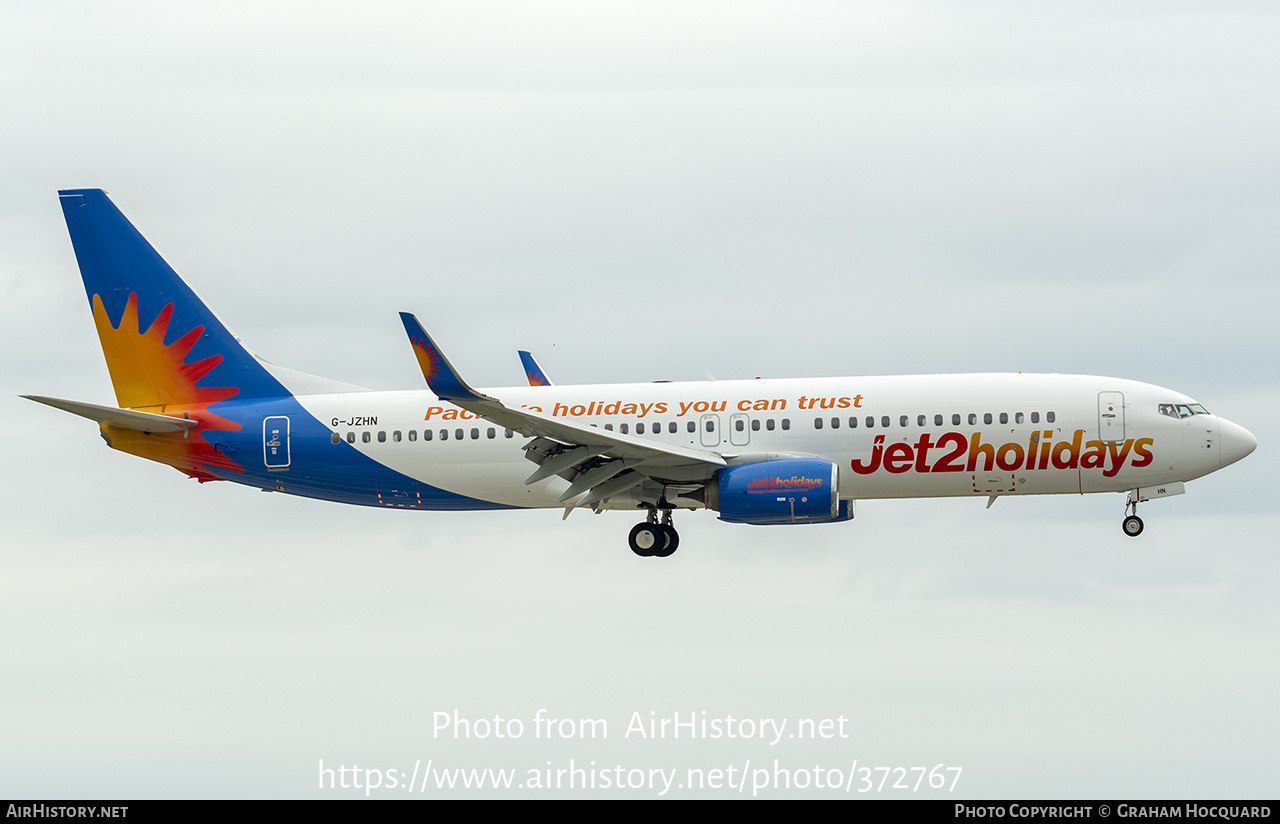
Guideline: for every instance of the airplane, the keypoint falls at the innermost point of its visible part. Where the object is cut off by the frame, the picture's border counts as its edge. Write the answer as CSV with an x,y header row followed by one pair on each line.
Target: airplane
x,y
764,452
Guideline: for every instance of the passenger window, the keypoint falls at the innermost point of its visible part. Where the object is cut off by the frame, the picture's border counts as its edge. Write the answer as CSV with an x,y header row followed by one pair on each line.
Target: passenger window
x,y
640,428
510,433
769,424
710,425
937,420
382,437
871,422
1018,418
739,425
973,418
622,428
955,419
493,433
673,429
786,423
1004,417
365,437
395,436
444,434
755,425
1035,417
1049,416
427,433
853,423
335,438
459,435
351,437
835,423
475,434
817,423
693,427
884,421
986,418
609,427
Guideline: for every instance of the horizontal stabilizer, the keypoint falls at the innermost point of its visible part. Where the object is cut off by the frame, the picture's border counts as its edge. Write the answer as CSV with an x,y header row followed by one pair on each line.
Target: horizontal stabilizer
x,y
148,422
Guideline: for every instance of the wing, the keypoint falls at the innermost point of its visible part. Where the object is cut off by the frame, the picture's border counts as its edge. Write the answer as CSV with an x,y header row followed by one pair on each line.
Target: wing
x,y
598,463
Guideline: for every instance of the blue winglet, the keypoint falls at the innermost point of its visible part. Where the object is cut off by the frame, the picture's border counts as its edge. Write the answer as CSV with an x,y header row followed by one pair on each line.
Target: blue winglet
x,y
532,370
439,373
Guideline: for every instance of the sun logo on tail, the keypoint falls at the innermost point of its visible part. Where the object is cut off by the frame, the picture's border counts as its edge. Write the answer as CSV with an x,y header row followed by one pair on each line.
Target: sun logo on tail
x,y
153,376
428,358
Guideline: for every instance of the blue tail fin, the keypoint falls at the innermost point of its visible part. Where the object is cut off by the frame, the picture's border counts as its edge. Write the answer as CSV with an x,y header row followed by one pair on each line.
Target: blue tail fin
x,y
163,346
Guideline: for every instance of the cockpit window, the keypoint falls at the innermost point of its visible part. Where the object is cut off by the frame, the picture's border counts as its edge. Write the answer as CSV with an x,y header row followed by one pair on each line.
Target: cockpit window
x,y
1182,410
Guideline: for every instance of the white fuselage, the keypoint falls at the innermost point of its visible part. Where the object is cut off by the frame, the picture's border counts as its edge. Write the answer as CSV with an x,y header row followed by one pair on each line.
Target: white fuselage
x,y
890,437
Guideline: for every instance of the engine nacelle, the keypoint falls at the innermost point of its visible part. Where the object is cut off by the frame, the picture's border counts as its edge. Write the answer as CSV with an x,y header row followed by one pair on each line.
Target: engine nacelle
x,y
784,491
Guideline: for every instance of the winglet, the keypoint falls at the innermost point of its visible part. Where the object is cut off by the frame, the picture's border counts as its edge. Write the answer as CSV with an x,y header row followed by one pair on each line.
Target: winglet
x,y
439,373
532,370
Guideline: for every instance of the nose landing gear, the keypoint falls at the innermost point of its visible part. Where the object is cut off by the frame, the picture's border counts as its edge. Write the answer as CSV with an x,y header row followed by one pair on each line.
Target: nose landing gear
x,y
1132,525
651,539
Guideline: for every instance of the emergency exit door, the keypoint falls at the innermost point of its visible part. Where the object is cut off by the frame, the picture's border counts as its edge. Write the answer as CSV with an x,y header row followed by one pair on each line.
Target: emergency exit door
x,y
275,442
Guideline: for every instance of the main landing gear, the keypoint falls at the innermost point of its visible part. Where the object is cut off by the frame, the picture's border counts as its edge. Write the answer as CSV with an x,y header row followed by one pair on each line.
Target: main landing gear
x,y
651,539
1132,524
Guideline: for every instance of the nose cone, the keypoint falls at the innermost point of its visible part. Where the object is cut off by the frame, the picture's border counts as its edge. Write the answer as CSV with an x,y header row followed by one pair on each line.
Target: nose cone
x,y
1236,441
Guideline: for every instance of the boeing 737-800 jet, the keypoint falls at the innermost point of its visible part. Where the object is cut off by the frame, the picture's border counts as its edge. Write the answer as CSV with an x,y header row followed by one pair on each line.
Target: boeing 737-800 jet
x,y
793,451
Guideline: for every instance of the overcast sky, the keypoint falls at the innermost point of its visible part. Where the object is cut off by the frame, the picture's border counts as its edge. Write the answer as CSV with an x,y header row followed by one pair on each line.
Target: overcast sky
x,y
641,191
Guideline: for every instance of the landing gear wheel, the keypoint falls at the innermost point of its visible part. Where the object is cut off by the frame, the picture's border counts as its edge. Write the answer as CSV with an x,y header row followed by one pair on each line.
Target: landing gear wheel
x,y
646,539
1132,526
672,542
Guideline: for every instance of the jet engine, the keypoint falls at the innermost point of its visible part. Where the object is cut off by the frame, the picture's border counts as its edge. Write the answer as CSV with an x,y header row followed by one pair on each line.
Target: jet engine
x,y
783,491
